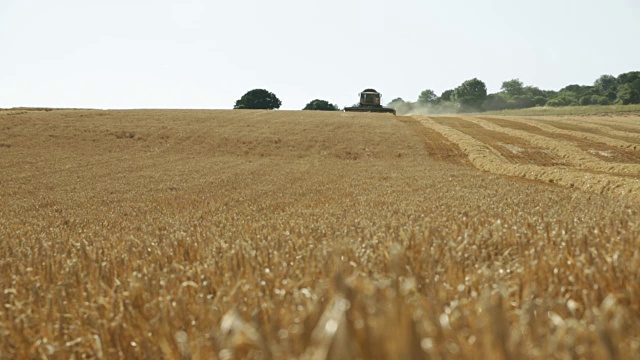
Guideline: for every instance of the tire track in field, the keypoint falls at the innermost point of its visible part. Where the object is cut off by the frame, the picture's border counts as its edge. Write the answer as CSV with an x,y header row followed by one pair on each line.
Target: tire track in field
x,y
437,146
572,148
486,158
514,149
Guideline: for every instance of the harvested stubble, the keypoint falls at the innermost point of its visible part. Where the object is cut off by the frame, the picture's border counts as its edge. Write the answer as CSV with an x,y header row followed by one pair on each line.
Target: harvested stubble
x,y
588,131
570,152
240,234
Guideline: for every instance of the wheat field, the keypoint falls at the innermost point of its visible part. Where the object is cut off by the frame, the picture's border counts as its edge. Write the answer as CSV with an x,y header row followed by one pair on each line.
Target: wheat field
x,y
193,234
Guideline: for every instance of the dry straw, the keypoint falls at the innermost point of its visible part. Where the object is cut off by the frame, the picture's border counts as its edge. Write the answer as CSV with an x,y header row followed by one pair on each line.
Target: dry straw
x,y
288,235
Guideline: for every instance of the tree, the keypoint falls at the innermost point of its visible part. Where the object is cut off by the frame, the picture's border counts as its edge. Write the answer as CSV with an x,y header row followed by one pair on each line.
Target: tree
x,y
495,102
470,95
513,87
534,91
599,100
427,97
586,100
396,101
567,97
578,91
627,94
322,105
446,95
258,99
574,88
606,84
402,107
629,77
522,101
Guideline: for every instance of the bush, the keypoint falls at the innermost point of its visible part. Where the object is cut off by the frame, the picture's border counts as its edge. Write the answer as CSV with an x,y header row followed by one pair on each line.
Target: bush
x,y
611,96
522,101
585,100
599,100
321,105
556,102
540,100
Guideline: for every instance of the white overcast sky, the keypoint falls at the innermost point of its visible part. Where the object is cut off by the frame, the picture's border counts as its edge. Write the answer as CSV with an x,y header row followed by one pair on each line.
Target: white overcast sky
x,y
206,54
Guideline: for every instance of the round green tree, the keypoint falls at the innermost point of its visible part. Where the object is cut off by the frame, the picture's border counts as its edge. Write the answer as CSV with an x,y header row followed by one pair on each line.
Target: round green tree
x,y
470,95
628,95
322,105
446,95
258,99
606,84
513,87
427,97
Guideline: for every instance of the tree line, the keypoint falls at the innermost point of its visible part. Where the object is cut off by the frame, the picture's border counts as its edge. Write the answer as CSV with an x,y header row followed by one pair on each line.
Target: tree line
x,y
472,96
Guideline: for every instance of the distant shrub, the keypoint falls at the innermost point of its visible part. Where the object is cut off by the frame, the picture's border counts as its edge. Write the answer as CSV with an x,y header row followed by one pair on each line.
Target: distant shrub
x,y
561,100
585,100
402,107
522,101
540,100
495,102
599,100
322,105
556,102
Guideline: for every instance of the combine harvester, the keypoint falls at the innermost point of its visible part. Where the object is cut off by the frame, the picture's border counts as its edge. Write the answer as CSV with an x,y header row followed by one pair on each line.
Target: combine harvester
x,y
370,102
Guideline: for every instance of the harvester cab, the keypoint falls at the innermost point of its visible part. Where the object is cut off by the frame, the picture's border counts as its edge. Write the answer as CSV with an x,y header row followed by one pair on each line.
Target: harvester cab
x,y
370,102
370,97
